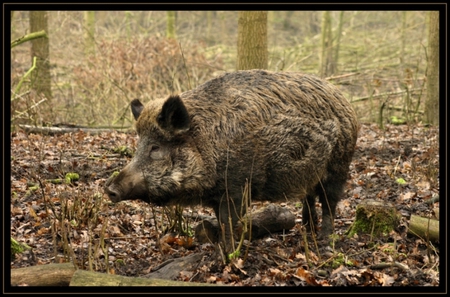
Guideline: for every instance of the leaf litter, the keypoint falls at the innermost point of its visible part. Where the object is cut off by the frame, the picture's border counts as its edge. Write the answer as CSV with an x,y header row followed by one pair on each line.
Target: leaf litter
x,y
131,238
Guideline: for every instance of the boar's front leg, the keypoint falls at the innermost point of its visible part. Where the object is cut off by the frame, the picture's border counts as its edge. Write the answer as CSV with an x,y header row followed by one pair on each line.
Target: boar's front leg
x,y
228,212
309,214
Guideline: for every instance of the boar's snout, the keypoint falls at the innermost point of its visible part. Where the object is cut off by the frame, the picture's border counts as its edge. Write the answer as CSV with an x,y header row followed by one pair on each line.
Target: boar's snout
x,y
113,194
127,185
111,191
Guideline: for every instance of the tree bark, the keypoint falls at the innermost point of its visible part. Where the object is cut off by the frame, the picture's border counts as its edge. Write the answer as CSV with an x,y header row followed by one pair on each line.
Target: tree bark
x,y
40,79
432,103
171,24
327,67
270,219
252,52
209,40
89,278
338,41
28,37
375,218
426,228
65,274
43,275
74,129
89,33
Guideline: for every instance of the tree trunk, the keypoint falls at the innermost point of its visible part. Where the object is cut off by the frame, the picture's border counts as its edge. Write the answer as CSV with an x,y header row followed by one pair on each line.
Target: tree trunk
x,y
314,23
338,40
128,21
89,31
403,39
223,28
252,52
171,24
40,79
327,67
209,40
432,103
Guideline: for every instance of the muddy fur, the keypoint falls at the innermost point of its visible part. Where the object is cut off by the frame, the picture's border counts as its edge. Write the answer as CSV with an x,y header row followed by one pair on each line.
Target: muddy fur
x,y
291,135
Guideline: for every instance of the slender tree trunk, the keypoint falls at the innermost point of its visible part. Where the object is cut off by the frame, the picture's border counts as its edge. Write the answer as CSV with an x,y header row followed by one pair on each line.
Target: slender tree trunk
x,y
432,103
327,46
403,38
40,79
208,27
89,33
287,20
129,15
338,40
252,52
171,24
223,28
314,23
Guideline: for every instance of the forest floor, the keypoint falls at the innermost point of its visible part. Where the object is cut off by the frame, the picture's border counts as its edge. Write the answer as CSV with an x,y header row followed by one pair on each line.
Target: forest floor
x,y
398,165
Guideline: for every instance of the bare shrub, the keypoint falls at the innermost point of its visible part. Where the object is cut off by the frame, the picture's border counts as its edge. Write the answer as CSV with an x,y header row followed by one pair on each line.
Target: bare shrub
x,y
140,68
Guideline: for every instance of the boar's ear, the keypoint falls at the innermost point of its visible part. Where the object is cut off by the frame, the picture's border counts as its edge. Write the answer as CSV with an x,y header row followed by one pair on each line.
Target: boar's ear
x,y
174,116
136,108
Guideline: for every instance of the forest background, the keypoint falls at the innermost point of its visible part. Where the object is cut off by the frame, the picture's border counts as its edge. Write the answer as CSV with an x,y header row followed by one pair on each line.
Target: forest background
x,y
100,61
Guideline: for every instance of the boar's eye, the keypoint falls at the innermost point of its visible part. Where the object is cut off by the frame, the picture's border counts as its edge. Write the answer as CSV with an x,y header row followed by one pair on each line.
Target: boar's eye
x,y
156,153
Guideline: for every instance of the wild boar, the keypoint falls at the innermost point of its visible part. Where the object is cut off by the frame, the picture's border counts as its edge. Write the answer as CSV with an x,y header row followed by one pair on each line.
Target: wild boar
x,y
290,135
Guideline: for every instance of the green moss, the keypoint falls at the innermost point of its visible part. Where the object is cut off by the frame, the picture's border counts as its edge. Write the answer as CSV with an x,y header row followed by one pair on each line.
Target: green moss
x,y
379,221
123,150
400,181
71,177
33,188
397,121
56,181
17,247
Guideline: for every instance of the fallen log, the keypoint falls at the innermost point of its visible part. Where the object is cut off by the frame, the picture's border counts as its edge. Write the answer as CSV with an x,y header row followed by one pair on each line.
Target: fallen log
x,y
95,279
267,220
65,274
52,275
70,129
426,228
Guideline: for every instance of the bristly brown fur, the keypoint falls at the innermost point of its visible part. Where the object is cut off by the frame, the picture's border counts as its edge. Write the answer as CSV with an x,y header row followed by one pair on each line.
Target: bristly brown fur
x,y
293,135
